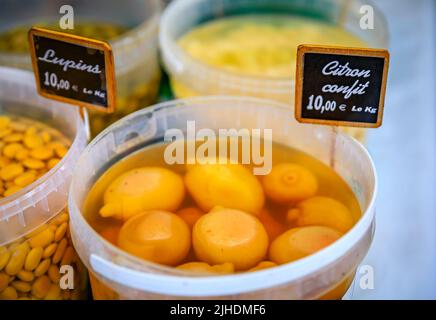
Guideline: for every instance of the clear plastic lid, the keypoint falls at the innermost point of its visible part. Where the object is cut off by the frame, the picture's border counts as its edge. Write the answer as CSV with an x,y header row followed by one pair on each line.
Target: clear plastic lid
x,y
309,277
35,204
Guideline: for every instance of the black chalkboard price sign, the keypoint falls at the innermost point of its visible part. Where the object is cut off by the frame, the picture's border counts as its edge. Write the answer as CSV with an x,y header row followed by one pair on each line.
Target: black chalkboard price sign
x,y
340,86
73,69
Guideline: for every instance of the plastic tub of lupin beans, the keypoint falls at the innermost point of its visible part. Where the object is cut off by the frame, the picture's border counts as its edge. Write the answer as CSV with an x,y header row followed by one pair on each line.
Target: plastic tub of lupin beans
x,y
248,48
40,142
116,274
129,26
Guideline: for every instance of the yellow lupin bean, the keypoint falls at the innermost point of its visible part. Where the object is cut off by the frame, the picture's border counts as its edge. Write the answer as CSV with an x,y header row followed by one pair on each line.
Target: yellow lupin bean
x,y
4,257
25,275
4,121
42,268
11,171
21,154
9,294
53,293
36,231
33,164
60,250
68,256
61,151
21,286
41,153
60,231
15,137
41,287
33,141
16,262
46,137
13,246
63,217
25,179
11,150
31,130
50,250
33,258
11,190
5,132
4,281
18,126
52,162
4,161
42,239
53,273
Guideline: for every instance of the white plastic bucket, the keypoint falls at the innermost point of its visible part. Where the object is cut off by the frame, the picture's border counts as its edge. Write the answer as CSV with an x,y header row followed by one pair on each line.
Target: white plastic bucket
x,y
120,275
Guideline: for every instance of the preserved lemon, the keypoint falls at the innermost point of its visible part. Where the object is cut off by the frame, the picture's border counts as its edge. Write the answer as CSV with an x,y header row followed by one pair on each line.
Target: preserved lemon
x,y
298,243
229,235
190,215
157,236
150,188
289,182
263,265
111,234
272,226
321,211
227,185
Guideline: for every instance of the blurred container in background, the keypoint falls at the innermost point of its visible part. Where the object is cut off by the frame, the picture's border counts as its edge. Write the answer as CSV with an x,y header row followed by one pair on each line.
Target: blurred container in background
x,y
130,26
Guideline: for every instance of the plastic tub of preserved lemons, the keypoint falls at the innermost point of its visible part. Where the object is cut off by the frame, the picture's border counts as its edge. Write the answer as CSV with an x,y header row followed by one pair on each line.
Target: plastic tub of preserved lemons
x,y
40,142
131,27
249,48
150,226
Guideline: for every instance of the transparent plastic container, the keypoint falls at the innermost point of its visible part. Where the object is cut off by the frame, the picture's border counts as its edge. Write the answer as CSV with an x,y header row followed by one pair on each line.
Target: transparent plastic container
x,y
328,273
34,223
135,51
190,77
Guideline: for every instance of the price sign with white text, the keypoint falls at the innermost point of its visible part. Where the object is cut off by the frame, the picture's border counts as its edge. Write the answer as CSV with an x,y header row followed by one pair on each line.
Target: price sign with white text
x,y
341,86
73,69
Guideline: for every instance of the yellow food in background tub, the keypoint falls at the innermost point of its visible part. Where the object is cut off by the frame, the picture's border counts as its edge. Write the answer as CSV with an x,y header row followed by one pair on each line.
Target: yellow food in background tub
x,y
260,45
263,46
229,235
